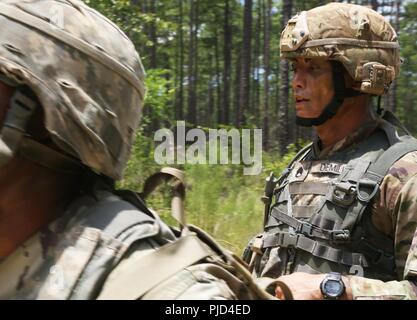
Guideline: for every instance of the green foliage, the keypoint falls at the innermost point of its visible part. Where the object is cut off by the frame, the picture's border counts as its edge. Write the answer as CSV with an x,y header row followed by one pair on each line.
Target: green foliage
x,y
225,203
406,95
219,198
121,12
158,109
159,82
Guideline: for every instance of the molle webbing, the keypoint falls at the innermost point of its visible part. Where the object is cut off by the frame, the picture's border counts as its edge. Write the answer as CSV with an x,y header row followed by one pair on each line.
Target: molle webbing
x,y
368,256
312,187
316,248
309,230
315,227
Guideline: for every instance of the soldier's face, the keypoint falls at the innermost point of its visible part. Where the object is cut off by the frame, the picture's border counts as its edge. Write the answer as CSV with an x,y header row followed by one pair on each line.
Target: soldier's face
x,y
312,86
6,93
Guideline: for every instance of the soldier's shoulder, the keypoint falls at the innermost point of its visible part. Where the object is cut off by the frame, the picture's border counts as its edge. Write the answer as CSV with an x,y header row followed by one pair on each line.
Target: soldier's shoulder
x,y
400,179
404,168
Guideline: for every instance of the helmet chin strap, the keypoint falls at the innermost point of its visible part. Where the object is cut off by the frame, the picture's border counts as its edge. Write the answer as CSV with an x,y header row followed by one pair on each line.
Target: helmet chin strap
x,y
340,93
22,107
14,139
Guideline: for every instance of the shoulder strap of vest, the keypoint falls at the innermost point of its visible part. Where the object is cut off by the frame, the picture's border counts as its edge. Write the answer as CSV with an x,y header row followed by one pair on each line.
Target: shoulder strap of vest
x,y
378,169
301,154
169,259
391,118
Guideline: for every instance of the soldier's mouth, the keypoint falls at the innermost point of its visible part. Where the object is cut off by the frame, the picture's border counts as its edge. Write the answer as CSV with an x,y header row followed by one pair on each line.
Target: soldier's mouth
x,y
300,99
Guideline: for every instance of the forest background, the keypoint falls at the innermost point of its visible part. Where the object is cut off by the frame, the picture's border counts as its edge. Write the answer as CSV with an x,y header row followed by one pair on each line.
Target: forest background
x,y
216,64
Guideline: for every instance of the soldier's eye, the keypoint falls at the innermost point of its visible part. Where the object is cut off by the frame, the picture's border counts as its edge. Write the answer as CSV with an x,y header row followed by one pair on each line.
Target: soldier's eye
x,y
314,67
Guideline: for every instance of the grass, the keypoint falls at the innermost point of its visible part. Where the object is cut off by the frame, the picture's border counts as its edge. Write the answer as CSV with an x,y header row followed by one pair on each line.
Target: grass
x,y
219,198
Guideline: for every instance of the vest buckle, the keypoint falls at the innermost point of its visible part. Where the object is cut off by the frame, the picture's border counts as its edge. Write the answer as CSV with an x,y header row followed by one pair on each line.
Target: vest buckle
x,y
366,189
339,236
305,229
343,193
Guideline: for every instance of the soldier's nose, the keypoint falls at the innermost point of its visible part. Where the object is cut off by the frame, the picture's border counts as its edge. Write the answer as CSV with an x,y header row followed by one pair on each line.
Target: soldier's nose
x,y
298,80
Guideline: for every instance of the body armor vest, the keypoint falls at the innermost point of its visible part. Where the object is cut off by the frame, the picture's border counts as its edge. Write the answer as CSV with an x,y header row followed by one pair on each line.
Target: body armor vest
x,y
321,218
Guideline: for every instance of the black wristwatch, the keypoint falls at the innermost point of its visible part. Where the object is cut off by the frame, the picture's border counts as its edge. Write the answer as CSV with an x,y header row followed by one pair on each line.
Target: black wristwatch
x,y
332,286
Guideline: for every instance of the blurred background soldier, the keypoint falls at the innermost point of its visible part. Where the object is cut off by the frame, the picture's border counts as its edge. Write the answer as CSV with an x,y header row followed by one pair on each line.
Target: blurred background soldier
x,y
346,203
72,88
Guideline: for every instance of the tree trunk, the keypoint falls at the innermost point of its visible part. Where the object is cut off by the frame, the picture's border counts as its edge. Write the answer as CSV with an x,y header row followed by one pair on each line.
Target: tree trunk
x,y
179,114
374,5
255,96
212,114
192,96
396,26
244,85
152,35
143,8
265,116
237,87
197,3
283,133
223,115
208,114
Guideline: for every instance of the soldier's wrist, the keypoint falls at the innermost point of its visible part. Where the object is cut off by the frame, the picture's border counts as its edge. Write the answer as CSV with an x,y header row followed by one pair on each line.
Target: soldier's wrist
x,y
348,289
334,286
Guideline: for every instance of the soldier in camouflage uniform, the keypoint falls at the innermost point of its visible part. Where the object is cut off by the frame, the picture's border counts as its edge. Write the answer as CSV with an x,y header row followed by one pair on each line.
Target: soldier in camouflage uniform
x,y
343,215
72,88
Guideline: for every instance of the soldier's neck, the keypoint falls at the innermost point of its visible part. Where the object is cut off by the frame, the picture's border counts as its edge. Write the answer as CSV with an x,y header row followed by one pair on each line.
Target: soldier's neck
x,y
353,114
31,197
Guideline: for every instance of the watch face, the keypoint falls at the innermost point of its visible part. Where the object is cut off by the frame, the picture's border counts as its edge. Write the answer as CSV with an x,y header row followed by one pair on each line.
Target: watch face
x,y
333,288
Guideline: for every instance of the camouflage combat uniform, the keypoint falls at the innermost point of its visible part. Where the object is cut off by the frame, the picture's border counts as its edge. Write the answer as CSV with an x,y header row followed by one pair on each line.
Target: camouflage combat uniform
x,y
393,214
72,257
350,207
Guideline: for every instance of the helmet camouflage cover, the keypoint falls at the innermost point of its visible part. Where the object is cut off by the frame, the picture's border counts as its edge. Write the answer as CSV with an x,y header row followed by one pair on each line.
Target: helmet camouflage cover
x,y
85,72
354,35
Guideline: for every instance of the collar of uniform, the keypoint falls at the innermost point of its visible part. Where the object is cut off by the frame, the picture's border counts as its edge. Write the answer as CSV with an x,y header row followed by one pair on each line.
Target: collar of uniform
x,y
360,134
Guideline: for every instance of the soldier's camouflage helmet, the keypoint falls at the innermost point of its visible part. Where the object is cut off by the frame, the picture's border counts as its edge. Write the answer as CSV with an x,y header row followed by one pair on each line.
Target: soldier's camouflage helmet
x,y
85,73
356,36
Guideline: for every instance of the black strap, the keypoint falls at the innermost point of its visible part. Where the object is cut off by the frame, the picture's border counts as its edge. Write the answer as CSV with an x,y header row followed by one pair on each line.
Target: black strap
x,y
340,93
384,260
324,223
379,169
316,248
309,230
391,118
298,157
